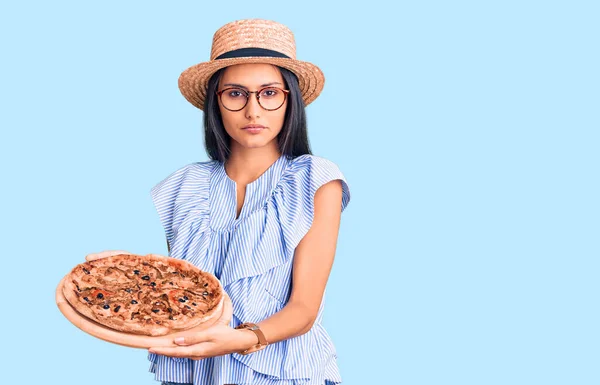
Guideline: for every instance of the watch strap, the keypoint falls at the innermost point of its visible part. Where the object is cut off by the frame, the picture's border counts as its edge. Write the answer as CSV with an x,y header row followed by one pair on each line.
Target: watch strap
x,y
262,341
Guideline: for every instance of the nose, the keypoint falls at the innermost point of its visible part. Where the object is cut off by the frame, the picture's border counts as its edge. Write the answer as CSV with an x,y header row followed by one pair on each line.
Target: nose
x,y
252,107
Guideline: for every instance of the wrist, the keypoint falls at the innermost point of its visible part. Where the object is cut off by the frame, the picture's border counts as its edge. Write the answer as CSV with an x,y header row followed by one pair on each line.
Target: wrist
x,y
260,339
247,339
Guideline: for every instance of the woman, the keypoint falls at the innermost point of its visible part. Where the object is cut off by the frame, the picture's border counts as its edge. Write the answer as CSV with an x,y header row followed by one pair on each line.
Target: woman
x,y
262,214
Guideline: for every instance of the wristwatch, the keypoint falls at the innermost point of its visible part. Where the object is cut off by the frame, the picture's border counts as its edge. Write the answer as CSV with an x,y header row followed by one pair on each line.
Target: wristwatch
x,y
262,341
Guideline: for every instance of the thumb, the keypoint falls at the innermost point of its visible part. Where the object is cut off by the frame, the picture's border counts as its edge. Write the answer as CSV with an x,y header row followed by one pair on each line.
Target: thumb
x,y
104,254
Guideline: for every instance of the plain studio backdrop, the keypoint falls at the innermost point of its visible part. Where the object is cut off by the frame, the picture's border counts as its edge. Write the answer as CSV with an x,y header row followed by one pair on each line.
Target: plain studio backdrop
x,y
467,131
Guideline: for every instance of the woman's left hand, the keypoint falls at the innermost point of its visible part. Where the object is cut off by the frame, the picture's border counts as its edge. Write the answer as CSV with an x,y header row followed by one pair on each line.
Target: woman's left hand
x,y
217,340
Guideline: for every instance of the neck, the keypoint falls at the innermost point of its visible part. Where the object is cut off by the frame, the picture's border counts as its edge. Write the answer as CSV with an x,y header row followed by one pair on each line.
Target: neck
x,y
247,164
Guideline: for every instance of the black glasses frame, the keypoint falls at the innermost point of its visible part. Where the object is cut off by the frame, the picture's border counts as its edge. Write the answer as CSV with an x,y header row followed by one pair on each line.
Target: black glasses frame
x,y
257,94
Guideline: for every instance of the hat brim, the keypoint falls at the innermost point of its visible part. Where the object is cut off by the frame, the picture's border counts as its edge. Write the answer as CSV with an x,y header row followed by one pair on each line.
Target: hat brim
x,y
193,81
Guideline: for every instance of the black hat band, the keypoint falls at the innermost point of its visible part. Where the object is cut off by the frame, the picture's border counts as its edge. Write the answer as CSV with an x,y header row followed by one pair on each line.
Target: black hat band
x,y
245,52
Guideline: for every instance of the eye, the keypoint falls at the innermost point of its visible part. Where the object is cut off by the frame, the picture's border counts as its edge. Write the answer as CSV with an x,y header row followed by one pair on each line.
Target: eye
x,y
269,92
235,93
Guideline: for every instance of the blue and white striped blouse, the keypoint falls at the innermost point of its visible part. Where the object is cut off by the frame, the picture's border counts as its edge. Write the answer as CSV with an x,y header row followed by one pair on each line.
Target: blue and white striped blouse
x,y
252,257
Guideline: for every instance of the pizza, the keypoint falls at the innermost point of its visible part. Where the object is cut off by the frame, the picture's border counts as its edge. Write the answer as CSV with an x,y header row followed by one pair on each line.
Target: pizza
x,y
150,294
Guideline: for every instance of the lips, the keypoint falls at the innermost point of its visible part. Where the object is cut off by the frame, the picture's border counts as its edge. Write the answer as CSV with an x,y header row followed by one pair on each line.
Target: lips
x,y
253,128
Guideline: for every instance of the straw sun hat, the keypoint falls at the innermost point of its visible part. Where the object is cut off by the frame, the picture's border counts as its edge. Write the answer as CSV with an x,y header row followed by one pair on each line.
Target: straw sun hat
x,y
251,41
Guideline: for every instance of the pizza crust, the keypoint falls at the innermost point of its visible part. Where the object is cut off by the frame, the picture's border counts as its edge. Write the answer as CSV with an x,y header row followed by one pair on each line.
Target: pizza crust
x,y
151,295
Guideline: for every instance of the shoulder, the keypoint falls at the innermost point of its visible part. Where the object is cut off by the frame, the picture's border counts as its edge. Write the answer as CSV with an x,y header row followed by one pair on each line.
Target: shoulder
x,y
296,195
306,174
312,163
184,181
189,173
194,170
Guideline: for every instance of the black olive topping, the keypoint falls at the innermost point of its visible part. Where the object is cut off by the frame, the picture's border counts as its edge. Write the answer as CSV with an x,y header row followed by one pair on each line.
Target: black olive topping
x,y
100,295
194,303
106,307
86,299
155,310
128,290
170,283
205,293
206,285
153,283
133,302
188,306
117,308
77,286
136,272
185,297
86,270
146,278
181,300
171,317
170,310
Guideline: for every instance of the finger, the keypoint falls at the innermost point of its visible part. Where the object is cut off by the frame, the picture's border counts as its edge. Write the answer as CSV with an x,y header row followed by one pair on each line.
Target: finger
x,y
195,338
104,254
225,318
179,351
94,256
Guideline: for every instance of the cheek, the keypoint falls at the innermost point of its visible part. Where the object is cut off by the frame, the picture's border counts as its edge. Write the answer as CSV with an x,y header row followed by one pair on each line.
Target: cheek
x,y
278,119
228,120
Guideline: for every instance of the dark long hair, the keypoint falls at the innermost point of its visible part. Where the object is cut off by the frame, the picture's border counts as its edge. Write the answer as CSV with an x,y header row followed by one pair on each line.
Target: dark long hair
x,y
293,138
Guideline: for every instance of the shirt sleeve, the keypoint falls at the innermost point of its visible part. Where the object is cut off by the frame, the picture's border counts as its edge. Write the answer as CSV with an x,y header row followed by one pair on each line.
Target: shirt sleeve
x,y
165,196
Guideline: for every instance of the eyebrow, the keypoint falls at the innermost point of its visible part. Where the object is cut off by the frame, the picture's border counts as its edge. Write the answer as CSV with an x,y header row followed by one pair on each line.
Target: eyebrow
x,y
241,86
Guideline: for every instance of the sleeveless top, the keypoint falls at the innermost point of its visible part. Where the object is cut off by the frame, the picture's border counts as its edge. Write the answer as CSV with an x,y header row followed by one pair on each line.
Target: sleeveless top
x,y
252,257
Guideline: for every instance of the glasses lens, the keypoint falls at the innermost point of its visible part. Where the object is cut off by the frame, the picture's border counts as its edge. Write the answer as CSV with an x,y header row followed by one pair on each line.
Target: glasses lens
x,y
271,98
234,98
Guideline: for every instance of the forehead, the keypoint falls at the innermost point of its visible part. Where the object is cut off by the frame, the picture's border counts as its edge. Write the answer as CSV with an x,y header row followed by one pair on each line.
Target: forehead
x,y
251,75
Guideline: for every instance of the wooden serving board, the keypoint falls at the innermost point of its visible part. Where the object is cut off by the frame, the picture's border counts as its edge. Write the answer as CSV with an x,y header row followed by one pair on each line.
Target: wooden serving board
x,y
127,339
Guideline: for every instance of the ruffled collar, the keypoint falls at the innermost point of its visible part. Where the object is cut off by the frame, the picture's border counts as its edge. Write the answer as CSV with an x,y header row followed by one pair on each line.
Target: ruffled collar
x,y
223,193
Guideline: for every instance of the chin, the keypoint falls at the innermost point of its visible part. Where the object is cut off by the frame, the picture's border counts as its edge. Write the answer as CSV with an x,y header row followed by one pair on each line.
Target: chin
x,y
253,142
253,145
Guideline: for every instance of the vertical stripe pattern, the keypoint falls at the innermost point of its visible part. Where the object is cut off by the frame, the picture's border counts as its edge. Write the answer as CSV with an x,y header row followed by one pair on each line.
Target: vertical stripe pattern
x,y
252,257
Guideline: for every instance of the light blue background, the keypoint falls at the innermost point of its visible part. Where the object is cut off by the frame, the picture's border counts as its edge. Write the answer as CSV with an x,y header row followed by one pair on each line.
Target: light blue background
x,y
467,130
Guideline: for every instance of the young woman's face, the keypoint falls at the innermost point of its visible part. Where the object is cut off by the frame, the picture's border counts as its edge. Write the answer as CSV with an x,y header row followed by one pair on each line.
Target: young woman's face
x,y
251,77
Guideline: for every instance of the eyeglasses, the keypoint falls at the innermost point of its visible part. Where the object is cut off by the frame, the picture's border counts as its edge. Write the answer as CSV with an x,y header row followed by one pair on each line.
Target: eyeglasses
x,y
269,98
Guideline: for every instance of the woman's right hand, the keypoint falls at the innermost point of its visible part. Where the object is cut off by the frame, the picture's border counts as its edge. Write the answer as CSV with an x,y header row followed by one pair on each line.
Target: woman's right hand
x,y
104,254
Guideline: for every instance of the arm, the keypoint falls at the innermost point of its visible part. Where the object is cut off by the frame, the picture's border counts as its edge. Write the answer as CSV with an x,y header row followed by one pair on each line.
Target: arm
x,y
313,260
